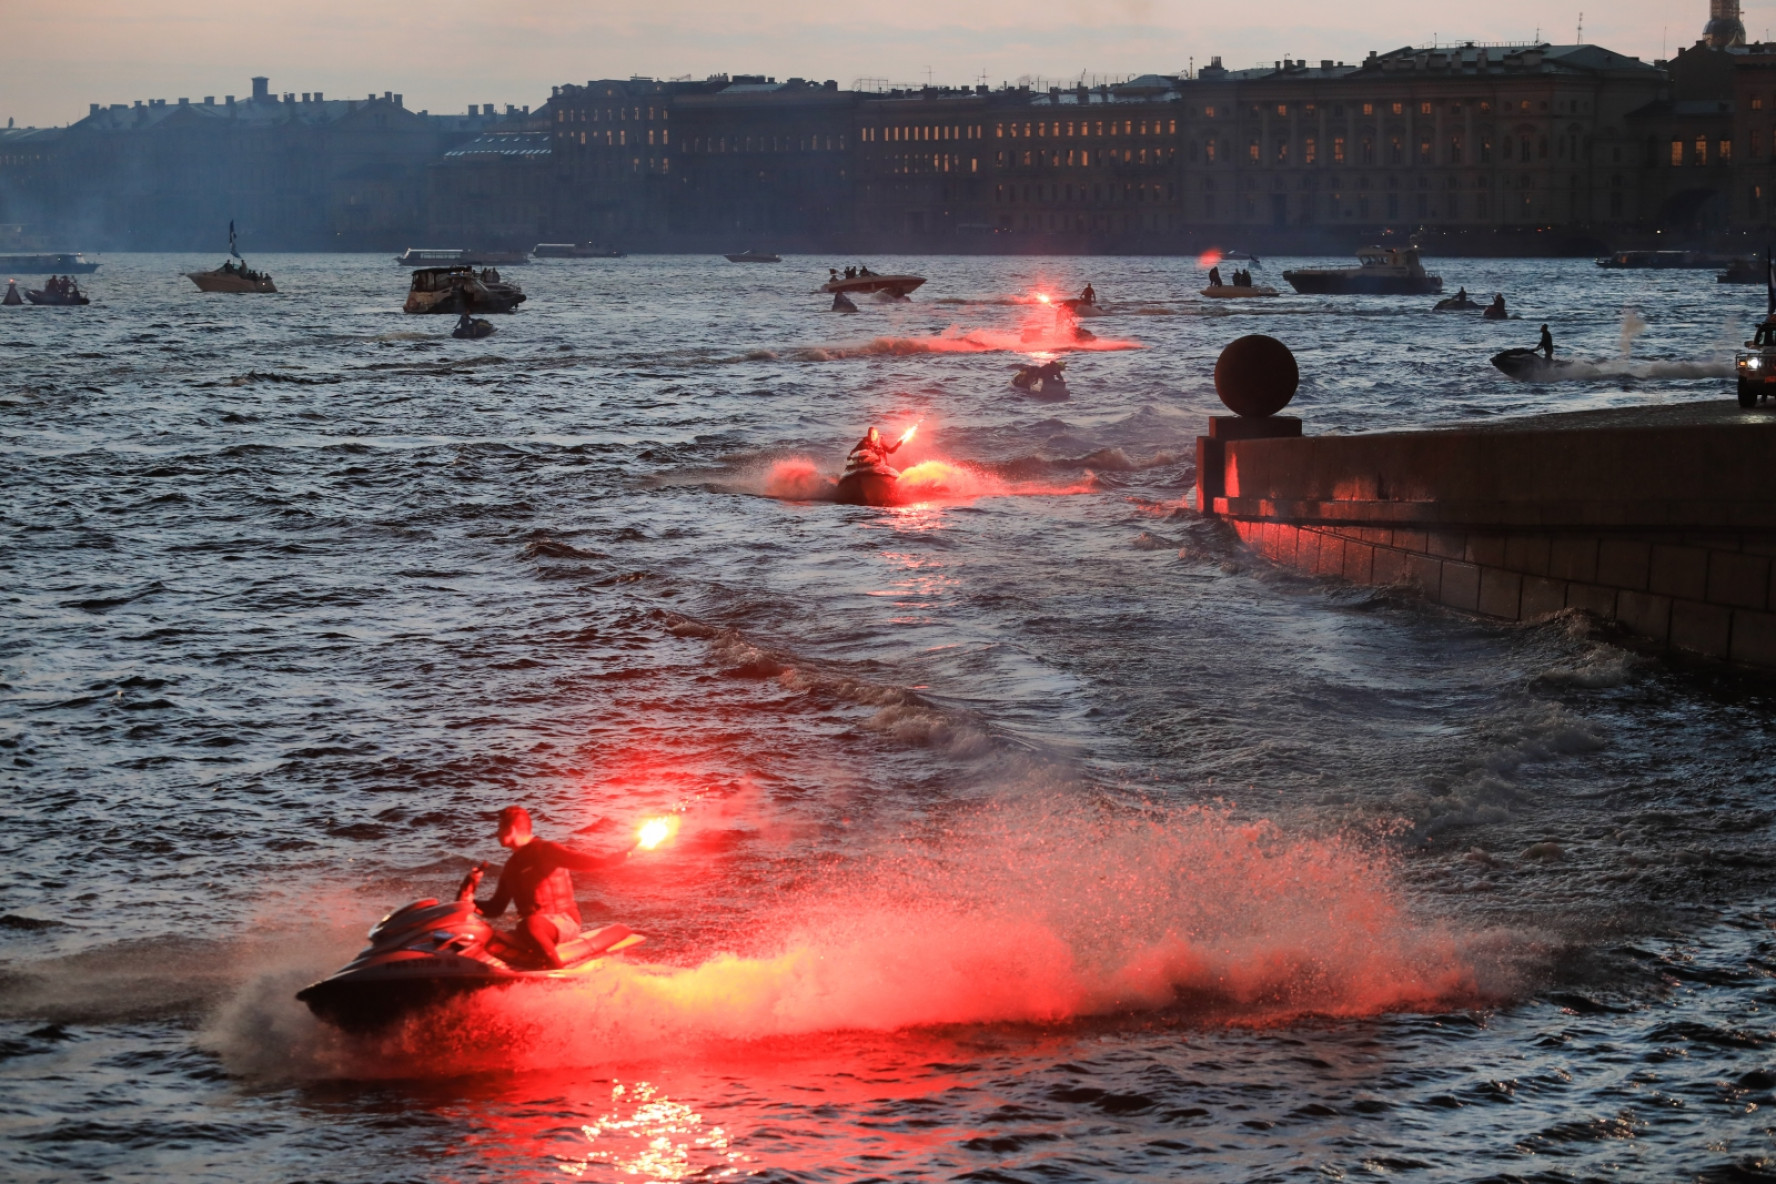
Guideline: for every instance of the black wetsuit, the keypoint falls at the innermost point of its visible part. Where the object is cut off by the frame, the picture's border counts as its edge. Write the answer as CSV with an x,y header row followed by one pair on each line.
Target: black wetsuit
x,y
529,880
1546,344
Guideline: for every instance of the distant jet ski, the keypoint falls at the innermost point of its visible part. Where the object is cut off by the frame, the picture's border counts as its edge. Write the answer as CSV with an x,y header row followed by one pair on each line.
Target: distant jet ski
x,y
472,328
430,952
1047,381
1526,365
842,303
1456,303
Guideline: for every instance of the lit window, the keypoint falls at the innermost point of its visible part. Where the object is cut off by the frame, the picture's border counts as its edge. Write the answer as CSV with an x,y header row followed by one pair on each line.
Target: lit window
x,y
1337,149
1368,108
1677,152
1399,108
1726,151
1424,108
1283,109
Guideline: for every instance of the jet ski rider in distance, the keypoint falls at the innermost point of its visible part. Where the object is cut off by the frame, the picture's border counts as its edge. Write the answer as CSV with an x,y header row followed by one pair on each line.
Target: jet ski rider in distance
x,y
536,880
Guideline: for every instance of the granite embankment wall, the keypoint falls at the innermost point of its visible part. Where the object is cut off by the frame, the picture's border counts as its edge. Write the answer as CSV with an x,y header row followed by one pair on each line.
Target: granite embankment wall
x,y
1663,521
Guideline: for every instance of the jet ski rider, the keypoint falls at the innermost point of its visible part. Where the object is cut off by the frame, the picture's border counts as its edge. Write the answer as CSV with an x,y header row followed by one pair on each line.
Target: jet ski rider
x,y
872,449
535,879
1546,344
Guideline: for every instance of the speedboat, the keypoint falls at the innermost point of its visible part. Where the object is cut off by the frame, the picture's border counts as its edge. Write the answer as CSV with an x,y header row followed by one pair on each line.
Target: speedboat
x,y
868,484
232,278
461,289
893,285
1526,365
1380,271
754,257
431,952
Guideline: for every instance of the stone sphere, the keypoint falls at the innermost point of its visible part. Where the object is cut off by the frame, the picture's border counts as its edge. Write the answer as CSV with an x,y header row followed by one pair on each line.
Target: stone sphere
x,y
1256,376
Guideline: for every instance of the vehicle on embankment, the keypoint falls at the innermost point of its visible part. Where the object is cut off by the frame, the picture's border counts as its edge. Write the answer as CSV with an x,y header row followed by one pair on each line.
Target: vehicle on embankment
x,y
1755,365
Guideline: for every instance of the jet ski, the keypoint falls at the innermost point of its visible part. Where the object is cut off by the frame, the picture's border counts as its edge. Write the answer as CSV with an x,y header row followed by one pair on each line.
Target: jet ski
x,y
1047,381
1456,303
1526,365
842,303
476,328
868,484
430,952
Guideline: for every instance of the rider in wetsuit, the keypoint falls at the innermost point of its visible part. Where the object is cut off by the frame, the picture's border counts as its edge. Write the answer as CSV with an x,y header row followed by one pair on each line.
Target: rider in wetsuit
x,y
1546,344
535,879
871,450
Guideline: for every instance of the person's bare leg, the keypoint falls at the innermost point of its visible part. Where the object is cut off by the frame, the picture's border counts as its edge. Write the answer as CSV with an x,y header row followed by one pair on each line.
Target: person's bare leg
x,y
541,931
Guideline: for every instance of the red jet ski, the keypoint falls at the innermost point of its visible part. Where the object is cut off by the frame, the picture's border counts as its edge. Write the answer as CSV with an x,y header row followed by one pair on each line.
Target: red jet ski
x,y
868,484
430,952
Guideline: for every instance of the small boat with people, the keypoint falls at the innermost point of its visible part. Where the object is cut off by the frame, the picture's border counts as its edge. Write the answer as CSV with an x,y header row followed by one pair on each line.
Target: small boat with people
x,y
854,280
57,289
234,276
1242,287
753,257
461,289
1380,271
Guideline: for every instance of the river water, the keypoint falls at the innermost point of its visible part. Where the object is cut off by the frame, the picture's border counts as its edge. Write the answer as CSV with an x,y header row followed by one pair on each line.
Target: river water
x,y
1033,832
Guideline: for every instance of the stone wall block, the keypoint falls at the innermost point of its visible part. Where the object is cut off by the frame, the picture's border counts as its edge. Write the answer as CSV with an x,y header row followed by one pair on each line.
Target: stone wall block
x,y
1527,553
1701,628
1307,550
1461,586
1679,571
1412,540
1330,561
1739,580
1359,560
1448,544
1623,563
1388,566
1754,638
1573,559
1541,597
1501,593
1645,613
1599,602
1426,574
1488,550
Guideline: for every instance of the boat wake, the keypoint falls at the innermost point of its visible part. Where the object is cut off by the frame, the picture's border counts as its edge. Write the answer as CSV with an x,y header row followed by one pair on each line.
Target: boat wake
x,y
1034,913
963,341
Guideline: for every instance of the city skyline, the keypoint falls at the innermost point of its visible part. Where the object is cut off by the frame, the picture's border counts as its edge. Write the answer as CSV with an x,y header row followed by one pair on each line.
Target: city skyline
x,y
58,62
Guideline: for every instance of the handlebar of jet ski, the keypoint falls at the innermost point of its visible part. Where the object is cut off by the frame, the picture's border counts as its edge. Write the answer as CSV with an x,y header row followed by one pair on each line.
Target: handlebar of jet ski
x,y
466,890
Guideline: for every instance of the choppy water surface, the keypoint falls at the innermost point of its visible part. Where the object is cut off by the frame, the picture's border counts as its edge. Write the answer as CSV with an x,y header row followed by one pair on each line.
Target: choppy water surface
x,y
1033,832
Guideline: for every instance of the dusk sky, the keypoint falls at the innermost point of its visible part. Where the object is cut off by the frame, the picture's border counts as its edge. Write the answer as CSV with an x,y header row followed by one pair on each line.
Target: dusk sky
x,y
55,59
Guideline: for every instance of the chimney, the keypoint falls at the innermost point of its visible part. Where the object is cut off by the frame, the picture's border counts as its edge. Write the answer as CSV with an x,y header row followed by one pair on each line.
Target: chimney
x,y
317,96
92,110
261,90
230,101
184,102
397,100
305,96
209,100
474,110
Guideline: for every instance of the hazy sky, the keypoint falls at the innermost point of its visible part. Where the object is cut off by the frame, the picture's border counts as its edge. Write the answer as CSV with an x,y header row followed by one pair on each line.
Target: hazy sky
x,y
57,56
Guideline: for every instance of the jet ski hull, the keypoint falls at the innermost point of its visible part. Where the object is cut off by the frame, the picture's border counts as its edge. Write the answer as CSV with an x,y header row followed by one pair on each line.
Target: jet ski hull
x,y
879,486
430,953
1526,365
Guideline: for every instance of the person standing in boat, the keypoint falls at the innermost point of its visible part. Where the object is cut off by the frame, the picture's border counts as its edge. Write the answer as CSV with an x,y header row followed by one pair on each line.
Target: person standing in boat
x,y
1546,344
1089,296
1215,277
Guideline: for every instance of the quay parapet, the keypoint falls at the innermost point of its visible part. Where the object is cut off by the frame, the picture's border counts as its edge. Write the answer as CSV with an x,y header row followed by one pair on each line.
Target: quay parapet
x,y
1660,519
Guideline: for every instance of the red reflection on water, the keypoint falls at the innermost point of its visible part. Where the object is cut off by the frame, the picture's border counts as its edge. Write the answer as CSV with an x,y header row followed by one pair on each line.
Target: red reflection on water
x,y
652,1137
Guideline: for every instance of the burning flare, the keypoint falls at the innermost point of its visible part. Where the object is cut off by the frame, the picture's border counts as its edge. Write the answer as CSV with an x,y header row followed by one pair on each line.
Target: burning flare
x,y
655,831
908,434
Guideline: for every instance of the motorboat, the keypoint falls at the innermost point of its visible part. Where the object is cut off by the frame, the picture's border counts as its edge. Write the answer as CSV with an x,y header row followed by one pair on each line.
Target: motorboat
x,y
49,263
57,294
1380,271
232,277
1663,260
1456,303
1081,307
1238,291
754,257
868,282
868,483
1527,365
461,289
1046,381
575,251
475,329
431,952
1749,270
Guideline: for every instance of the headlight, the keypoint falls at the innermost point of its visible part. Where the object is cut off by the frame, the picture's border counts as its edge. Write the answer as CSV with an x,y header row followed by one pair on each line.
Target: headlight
x,y
1752,363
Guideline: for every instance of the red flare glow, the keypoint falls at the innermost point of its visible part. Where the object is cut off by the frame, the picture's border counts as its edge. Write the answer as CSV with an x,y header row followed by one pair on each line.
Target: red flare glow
x,y
1209,258
655,831
908,434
